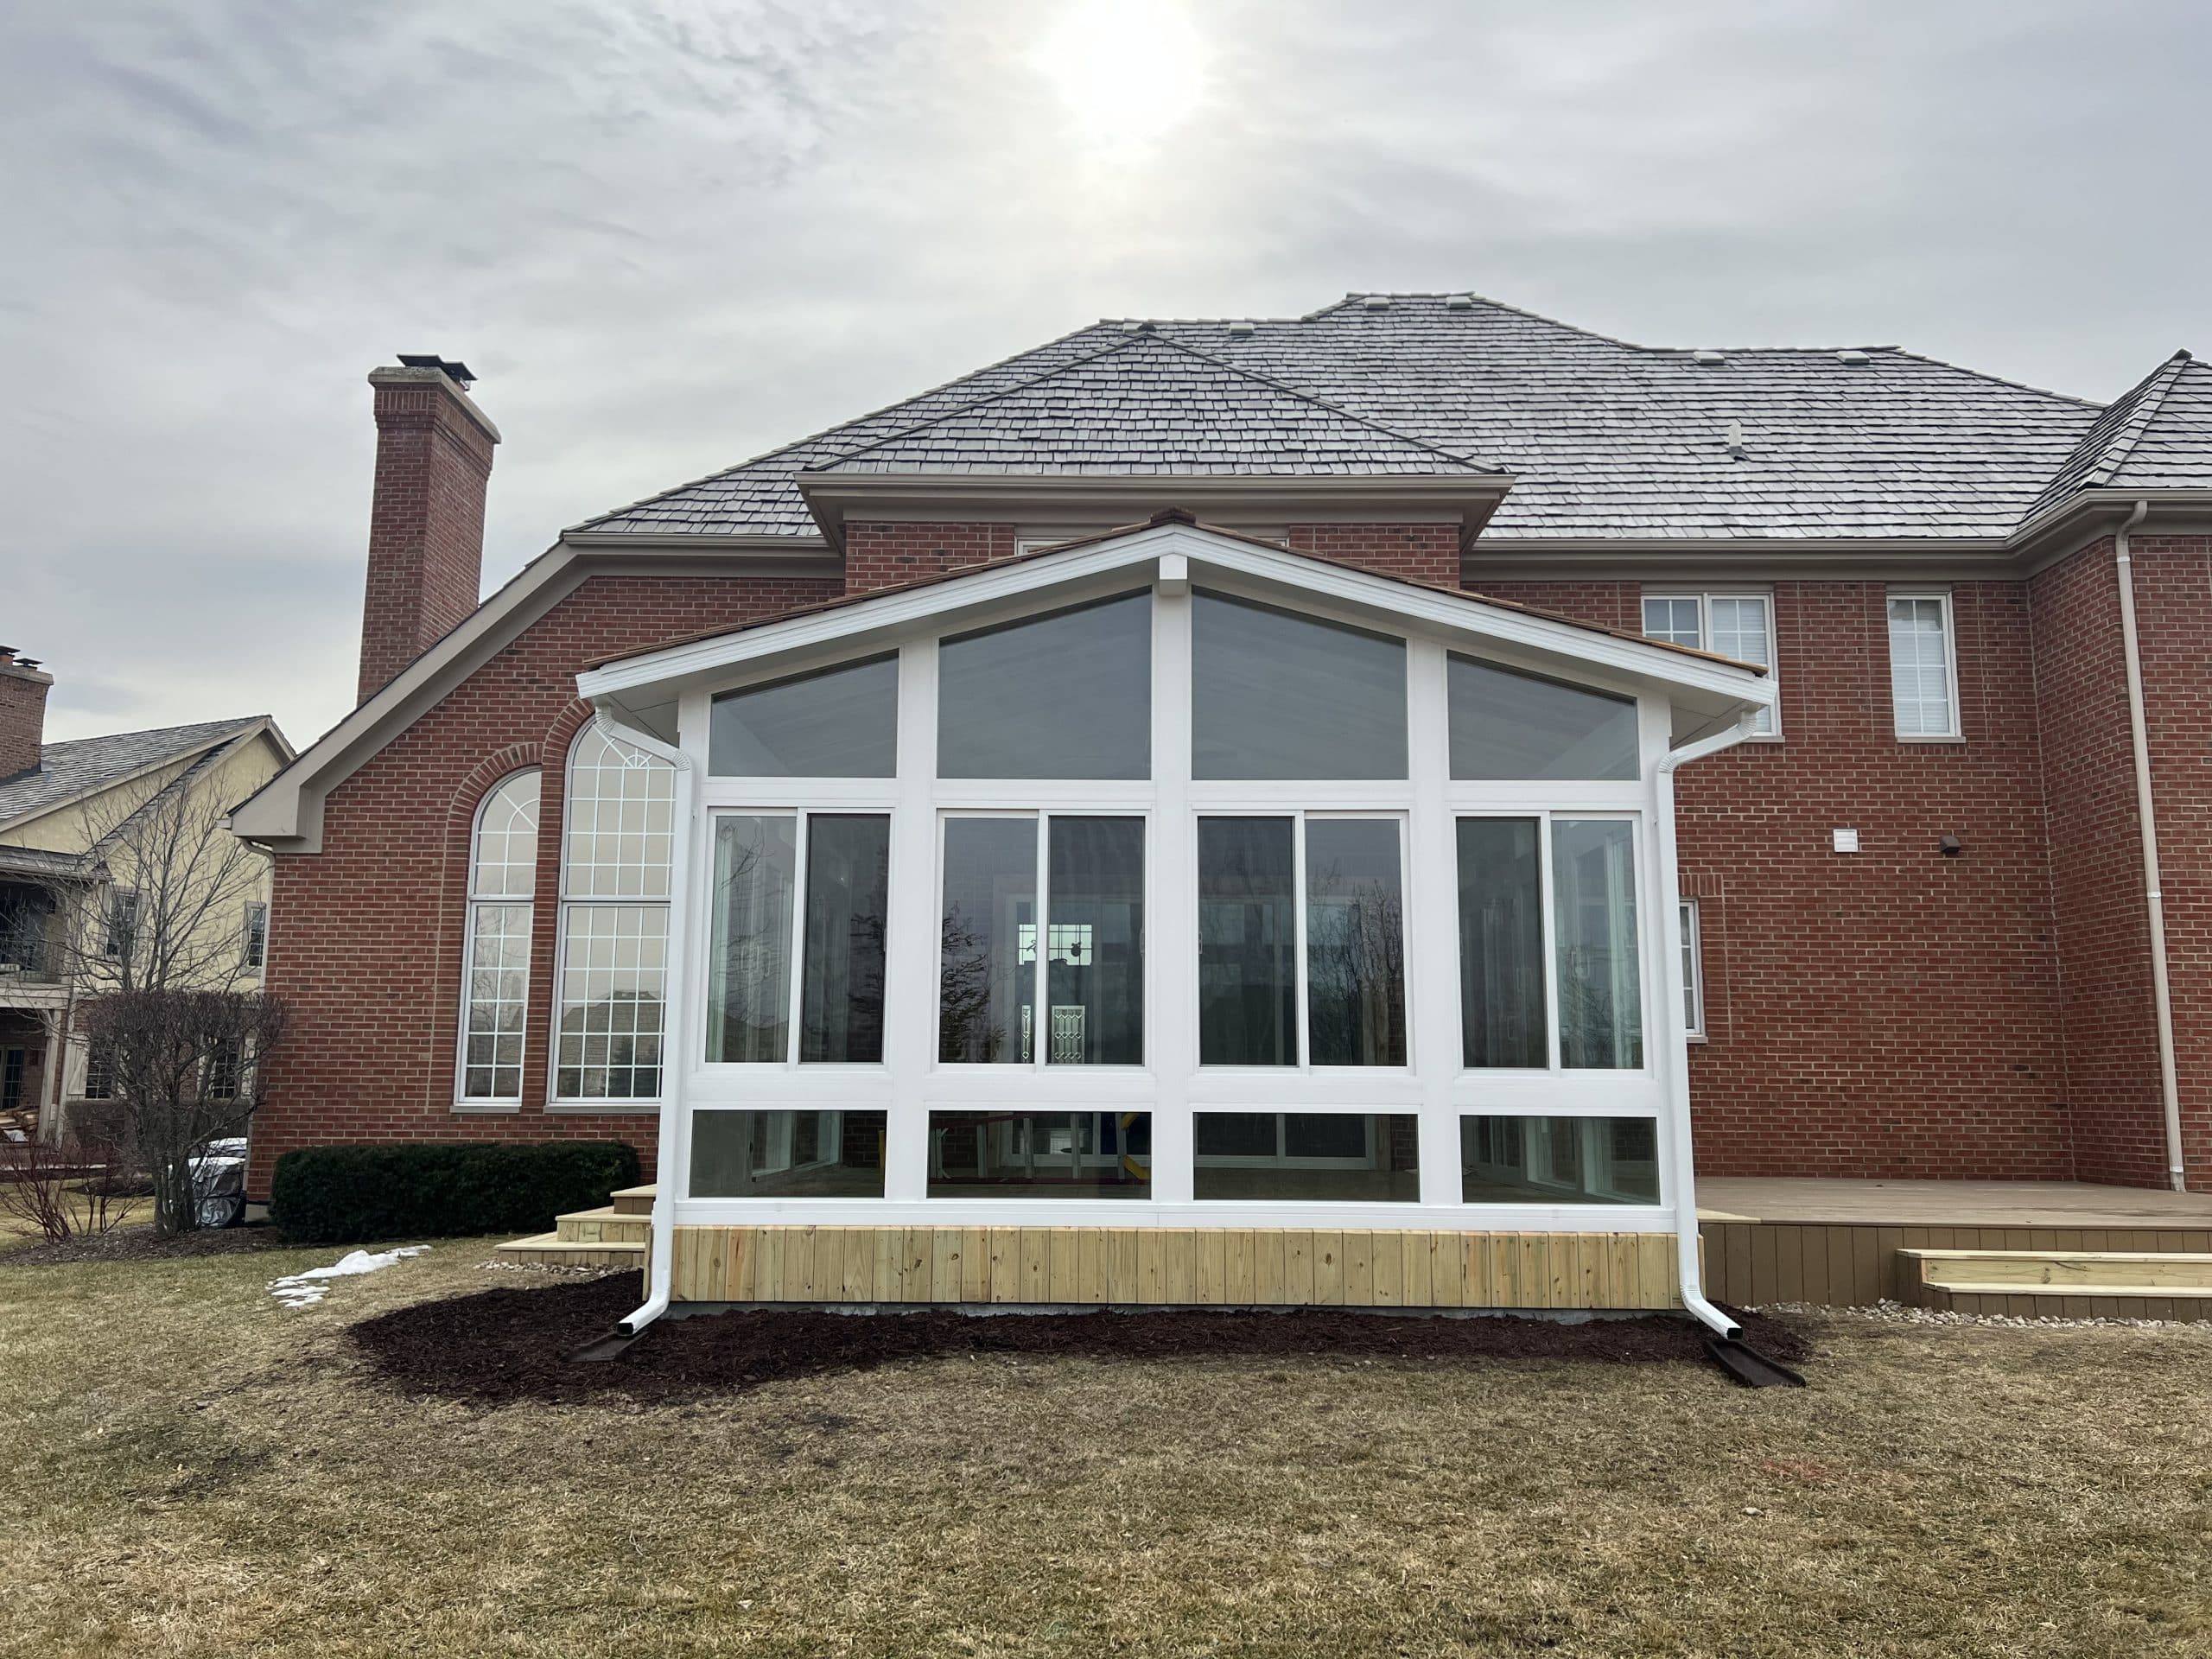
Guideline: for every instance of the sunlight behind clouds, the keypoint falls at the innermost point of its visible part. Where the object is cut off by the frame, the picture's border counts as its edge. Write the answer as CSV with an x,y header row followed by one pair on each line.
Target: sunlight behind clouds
x,y
1128,71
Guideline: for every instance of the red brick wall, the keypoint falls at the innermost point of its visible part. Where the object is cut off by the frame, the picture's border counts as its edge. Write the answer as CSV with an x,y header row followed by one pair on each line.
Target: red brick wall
x,y
1890,1012
365,936
426,525
1422,552
884,555
22,717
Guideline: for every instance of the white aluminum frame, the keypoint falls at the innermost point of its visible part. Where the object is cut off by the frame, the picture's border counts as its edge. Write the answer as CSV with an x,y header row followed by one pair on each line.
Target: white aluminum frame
x,y
1170,1084
1941,596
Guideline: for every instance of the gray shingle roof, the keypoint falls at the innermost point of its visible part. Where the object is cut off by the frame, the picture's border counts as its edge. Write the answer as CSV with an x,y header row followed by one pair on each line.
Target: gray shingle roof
x,y
2157,435
1146,404
67,770
1606,439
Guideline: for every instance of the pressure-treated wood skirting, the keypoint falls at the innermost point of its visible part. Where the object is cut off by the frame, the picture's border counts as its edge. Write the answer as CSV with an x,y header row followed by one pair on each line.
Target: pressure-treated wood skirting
x,y
1229,1267
1750,1264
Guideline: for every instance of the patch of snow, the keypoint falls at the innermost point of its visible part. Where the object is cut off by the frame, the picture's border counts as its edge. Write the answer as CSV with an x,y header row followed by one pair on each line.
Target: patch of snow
x,y
306,1289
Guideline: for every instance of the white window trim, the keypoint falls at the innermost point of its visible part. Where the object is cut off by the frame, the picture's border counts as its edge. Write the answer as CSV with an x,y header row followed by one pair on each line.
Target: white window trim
x,y
1943,597
1694,970
1704,598
564,903
462,1100
253,942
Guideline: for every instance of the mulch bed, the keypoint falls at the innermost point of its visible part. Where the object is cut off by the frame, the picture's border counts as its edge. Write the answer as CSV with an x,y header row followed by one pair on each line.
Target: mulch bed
x,y
140,1242
511,1345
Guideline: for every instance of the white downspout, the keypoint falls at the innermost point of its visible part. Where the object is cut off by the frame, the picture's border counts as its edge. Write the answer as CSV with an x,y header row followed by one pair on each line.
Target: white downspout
x,y
1683,1172
661,1252
2146,820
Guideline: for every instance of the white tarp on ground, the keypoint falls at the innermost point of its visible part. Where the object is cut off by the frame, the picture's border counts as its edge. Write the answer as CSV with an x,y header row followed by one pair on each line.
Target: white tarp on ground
x,y
306,1289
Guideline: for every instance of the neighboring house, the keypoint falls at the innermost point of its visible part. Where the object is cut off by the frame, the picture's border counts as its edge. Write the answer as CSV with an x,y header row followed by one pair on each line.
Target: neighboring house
x,y
73,902
1221,775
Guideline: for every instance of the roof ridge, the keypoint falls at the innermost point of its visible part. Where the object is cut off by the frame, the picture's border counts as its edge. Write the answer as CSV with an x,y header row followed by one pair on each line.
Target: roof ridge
x,y
828,432
1359,298
2150,396
1998,379
157,731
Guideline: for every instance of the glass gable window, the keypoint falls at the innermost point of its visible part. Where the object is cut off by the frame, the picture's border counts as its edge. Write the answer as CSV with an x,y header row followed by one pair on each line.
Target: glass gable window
x,y
1063,696
614,880
1275,694
837,938
841,722
1507,725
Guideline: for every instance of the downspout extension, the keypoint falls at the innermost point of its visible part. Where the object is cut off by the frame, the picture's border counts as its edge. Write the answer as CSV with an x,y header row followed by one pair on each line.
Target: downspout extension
x,y
1684,1165
2147,821
661,1254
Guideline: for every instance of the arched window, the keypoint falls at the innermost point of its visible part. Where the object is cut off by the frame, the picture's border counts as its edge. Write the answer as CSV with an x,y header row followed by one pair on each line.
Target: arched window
x,y
614,869
495,995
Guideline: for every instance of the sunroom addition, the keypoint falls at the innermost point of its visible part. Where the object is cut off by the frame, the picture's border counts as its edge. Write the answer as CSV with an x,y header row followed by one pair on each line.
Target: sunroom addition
x,y
1168,882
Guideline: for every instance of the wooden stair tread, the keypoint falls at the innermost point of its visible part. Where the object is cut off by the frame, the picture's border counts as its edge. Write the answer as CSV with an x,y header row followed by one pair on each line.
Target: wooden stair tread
x,y
2009,1288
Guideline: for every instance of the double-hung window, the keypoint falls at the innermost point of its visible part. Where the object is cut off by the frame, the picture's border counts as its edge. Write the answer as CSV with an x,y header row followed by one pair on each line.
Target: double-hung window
x,y
1734,624
1923,667
614,882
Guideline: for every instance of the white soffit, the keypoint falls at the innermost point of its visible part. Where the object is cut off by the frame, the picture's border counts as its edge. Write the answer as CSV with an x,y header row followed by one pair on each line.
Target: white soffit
x,y
1704,684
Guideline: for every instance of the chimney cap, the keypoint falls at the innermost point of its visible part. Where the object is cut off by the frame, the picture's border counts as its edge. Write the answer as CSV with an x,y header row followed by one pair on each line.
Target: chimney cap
x,y
457,373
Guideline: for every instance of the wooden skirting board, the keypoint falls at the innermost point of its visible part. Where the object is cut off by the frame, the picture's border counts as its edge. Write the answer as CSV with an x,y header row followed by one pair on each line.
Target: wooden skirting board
x,y
1175,1266
1750,1264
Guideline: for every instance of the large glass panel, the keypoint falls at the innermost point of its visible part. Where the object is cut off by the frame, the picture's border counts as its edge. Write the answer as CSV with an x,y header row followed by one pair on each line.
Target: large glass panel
x,y
787,1154
1299,1157
1559,1161
1065,695
987,988
1094,945
1594,891
613,971
1501,944
1041,1156
841,722
499,997
1508,725
1275,694
1248,942
749,971
1355,943
848,895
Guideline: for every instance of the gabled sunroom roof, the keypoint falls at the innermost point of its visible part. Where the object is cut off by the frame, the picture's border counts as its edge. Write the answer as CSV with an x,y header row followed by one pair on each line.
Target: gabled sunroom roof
x,y
1698,682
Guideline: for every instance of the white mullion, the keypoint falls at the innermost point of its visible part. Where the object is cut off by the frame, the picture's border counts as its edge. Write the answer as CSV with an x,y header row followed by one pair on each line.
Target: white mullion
x,y
1429,907
1171,1038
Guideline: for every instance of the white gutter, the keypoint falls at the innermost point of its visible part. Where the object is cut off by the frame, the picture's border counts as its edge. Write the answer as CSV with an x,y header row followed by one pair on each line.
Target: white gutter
x,y
661,1253
2146,820
1683,1171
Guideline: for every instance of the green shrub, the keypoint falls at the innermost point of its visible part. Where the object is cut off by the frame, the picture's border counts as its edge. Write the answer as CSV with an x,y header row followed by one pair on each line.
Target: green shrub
x,y
342,1195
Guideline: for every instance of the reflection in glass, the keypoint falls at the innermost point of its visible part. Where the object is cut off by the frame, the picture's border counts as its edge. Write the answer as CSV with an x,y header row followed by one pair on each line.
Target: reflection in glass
x,y
787,1154
1593,895
749,970
1248,942
841,722
1065,695
1276,695
1559,1161
1501,944
1355,943
1040,1154
1296,1156
987,989
1506,724
841,1002
1094,947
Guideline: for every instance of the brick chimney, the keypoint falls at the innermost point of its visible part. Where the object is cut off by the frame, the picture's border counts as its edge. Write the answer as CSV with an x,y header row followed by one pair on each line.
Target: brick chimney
x,y
426,520
23,712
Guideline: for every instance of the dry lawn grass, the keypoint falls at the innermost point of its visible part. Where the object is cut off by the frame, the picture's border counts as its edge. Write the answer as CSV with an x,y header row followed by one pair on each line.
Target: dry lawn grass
x,y
197,1471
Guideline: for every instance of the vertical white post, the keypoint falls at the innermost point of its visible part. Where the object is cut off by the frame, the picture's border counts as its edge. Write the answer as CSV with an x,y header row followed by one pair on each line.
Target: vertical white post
x,y
1431,908
910,991
1171,954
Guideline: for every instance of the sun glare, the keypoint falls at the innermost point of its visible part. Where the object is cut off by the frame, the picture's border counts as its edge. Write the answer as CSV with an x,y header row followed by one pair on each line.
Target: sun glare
x,y
1128,70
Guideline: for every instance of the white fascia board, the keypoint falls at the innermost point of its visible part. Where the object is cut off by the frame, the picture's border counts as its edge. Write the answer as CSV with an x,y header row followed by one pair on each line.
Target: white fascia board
x,y
1709,684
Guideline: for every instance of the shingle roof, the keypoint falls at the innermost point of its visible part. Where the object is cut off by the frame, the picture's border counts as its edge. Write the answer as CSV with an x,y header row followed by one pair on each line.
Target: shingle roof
x,y
67,770
1149,405
1606,439
2157,435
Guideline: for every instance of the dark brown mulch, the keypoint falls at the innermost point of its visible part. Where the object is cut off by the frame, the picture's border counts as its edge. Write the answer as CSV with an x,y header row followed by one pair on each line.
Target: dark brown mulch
x,y
502,1345
140,1242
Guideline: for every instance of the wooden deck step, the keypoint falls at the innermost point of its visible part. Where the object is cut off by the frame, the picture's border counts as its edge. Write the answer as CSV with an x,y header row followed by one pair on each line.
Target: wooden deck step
x,y
604,1225
2061,1284
633,1201
552,1250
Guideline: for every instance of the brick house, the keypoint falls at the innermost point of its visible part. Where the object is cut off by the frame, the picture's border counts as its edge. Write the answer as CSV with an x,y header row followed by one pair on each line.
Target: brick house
x,y
1931,896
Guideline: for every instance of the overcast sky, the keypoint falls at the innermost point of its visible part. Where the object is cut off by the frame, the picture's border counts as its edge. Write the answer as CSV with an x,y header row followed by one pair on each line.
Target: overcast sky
x,y
668,235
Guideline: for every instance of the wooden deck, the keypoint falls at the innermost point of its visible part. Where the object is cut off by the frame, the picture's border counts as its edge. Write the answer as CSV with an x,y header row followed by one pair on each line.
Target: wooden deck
x,y
1836,1243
